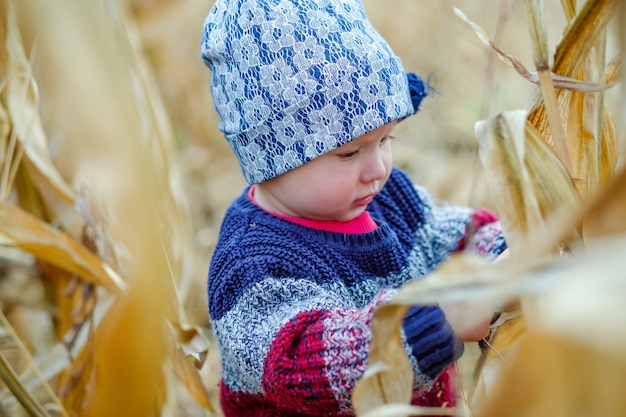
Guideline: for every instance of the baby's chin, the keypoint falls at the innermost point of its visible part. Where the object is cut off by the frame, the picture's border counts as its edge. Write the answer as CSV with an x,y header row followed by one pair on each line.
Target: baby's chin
x,y
349,215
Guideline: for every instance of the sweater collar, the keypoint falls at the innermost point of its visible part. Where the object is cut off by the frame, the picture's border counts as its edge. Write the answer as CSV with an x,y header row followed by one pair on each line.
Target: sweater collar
x,y
361,224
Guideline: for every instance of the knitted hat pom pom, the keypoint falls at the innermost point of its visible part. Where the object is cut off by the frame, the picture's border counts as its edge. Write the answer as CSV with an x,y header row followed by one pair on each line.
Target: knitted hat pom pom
x,y
417,89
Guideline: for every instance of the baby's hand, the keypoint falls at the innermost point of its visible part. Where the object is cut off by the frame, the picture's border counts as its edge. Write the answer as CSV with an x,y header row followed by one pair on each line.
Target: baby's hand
x,y
469,322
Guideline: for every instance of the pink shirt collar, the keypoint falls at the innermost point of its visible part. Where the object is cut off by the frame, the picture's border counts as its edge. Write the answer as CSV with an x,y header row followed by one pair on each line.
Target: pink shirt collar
x,y
361,224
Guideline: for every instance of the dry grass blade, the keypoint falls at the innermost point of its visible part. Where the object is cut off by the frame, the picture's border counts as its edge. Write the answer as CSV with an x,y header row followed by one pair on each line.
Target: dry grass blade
x,y
559,81
22,391
10,378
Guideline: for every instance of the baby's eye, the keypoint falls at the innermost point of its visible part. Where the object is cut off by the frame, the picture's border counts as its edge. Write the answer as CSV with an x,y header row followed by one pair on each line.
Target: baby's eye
x,y
385,140
349,155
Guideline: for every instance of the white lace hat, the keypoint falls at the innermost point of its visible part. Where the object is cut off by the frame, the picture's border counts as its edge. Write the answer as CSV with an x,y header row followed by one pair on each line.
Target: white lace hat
x,y
294,79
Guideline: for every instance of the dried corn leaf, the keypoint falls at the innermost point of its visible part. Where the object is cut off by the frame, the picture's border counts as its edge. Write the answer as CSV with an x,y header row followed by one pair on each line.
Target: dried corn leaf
x,y
606,214
130,351
546,84
187,371
403,410
75,382
573,59
569,7
190,356
66,293
589,22
133,343
591,132
22,386
49,365
389,376
572,360
4,134
529,184
609,152
557,377
22,97
552,185
575,323
581,35
32,235
526,179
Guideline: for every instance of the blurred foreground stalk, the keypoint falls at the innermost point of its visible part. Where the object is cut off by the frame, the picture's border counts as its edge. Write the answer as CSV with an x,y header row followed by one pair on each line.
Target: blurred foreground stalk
x,y
107,252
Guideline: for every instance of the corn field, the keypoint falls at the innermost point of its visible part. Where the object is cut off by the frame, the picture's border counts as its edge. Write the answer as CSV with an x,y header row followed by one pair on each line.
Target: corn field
x,y
114,177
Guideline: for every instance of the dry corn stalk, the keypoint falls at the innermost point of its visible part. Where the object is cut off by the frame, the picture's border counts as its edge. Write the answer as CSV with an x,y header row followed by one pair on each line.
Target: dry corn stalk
x,y
594,148
533,178
109,255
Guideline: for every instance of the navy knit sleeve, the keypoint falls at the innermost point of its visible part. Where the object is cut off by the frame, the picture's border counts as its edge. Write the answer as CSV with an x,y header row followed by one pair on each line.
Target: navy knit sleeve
x,y
430,340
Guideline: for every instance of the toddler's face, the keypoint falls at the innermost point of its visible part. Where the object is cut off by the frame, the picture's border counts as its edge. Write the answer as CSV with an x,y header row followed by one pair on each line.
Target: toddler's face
x,y
336,186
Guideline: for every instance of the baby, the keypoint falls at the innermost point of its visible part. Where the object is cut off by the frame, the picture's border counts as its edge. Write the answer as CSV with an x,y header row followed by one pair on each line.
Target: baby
x,y
308,94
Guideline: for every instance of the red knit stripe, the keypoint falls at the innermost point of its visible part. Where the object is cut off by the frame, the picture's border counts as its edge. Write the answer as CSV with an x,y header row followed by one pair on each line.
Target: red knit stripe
x,y
481,217
241,404
443,392
478,219
294,374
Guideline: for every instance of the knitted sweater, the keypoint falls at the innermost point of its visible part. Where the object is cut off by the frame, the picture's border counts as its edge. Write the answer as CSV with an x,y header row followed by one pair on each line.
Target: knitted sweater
x,y
291,306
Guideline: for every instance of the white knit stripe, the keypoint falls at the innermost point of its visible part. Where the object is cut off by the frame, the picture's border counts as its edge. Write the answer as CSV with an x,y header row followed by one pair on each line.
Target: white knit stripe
x,y
443,229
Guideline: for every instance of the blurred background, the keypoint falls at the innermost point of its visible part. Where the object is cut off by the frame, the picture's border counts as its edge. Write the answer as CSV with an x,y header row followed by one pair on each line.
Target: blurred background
x,y
160,41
